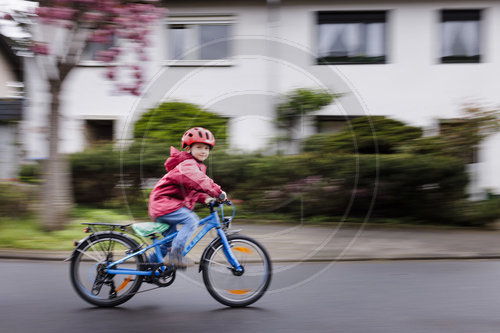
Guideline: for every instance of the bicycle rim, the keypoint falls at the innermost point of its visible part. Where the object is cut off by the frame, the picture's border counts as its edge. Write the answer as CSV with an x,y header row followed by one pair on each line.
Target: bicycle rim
x,y
91,281
230,288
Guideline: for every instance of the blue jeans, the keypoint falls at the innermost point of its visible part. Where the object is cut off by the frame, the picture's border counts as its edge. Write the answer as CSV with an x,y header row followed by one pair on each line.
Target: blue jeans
x,y
183,216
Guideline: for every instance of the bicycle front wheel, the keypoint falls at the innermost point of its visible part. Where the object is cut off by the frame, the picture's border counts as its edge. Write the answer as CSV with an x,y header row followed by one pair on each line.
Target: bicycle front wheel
x,y
237,289
88,269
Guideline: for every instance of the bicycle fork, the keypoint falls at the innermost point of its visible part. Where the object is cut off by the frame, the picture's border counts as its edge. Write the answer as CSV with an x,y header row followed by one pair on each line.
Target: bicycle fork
x,y
237,268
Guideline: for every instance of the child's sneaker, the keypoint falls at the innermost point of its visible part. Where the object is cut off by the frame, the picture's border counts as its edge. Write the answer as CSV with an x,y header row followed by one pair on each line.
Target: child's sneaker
x,y
176,259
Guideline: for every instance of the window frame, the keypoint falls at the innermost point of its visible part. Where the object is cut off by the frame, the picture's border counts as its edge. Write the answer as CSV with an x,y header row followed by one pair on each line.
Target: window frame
x,y
461,15
354,16
97,63
198,20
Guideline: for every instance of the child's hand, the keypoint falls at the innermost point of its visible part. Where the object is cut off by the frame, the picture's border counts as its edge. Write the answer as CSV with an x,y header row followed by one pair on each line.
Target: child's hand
x,y
222,197
209,200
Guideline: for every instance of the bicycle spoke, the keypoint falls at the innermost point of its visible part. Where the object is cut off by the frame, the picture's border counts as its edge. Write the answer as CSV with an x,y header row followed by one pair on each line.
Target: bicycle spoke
x,y
219,264
90,256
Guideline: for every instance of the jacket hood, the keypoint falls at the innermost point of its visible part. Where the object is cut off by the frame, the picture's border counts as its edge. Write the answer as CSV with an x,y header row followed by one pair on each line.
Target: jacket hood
x,y
176,157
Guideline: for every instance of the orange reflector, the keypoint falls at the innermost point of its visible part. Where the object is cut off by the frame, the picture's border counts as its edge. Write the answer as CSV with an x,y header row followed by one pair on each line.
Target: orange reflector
x,y
124,284
239,291
242,249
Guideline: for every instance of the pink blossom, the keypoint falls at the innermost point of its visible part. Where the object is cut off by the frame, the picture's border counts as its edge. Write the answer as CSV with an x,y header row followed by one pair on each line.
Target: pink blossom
x,y
42,11
116,50
126,19
121,20
93,16
60,13
111,75
105,56
41,49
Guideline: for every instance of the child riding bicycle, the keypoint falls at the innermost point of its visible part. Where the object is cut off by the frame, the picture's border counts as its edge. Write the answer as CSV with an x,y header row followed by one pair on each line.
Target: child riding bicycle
x,y
173,198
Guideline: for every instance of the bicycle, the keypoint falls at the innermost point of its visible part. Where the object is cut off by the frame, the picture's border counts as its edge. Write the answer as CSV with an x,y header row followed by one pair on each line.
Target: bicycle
x,y
109,266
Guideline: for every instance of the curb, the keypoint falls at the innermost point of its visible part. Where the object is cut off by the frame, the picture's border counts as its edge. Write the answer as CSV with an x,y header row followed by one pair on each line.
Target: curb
x,y
62,256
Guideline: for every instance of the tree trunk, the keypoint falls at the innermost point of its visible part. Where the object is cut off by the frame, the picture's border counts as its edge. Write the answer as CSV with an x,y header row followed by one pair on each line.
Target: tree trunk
x,y
56,194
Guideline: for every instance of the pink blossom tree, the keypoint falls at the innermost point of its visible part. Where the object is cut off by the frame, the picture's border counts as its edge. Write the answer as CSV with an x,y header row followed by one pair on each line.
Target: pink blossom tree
x,y
59,31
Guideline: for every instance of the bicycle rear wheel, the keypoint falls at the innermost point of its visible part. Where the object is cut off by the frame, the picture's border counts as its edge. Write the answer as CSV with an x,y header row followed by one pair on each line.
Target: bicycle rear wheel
x,y
230,287
88,274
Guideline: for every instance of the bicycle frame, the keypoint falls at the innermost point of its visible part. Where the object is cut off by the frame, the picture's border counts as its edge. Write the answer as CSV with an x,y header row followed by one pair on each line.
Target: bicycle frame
x,y
209,222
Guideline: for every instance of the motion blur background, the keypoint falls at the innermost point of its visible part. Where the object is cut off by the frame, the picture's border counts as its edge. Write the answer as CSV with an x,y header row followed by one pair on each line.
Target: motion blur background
x,y
405,77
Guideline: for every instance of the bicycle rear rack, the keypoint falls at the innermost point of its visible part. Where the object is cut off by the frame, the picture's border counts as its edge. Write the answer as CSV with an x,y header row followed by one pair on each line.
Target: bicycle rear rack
x,y
99,226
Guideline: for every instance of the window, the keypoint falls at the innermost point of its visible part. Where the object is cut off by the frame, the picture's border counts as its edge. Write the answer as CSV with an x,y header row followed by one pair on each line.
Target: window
x,y
91,51
460,36
199,40
332,124
98,131
351,37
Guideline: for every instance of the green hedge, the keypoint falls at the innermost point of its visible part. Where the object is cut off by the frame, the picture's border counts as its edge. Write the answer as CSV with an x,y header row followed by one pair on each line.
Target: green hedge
x,y
425,188
422,187
104,173
16,200
365,135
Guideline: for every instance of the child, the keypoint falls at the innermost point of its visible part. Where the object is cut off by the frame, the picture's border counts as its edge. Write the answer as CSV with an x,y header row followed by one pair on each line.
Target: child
x,y
174,196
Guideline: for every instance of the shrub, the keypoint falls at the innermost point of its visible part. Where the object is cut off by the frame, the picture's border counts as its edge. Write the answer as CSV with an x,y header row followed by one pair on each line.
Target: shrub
x,y
475,213
422,187
95,174
30,173
168,122
16,200
299,103
365,135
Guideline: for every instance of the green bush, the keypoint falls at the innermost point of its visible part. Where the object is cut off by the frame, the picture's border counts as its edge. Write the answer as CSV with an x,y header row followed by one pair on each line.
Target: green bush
x,y
365,135
168,122
16,200
475,213
422,187
30,173
95,174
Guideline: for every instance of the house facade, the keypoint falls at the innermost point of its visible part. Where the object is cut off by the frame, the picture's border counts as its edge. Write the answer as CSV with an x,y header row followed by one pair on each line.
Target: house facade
x,y
11,103
420,62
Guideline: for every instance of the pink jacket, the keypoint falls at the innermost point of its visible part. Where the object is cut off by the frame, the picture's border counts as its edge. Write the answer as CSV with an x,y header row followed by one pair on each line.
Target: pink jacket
x,y
184,184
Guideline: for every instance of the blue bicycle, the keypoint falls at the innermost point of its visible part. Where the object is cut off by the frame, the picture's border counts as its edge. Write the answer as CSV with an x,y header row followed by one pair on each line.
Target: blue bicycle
x,y
109,266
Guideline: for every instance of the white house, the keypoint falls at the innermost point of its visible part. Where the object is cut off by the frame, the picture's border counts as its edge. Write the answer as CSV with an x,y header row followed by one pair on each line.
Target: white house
x,y
11,103
416,61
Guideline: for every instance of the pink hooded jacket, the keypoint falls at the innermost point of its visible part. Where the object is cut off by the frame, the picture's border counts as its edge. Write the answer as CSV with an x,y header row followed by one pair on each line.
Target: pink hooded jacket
x,y
184,184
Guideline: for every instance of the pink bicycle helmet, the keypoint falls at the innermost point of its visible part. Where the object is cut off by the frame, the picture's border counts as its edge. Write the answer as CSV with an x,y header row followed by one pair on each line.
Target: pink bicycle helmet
x,y
198,135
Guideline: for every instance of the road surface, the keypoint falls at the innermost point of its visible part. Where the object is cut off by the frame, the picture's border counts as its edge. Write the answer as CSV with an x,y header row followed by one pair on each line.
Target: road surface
x,y
364,297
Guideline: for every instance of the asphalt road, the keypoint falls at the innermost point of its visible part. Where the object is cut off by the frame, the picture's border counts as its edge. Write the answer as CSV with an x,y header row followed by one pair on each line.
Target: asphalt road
x,y
392,296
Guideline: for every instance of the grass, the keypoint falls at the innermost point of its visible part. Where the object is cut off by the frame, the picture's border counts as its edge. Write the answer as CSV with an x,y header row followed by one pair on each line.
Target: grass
x,y
26,233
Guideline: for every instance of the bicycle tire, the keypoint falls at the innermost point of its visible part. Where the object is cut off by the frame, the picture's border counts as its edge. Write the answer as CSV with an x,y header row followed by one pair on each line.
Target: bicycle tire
x,y
87,274
227,287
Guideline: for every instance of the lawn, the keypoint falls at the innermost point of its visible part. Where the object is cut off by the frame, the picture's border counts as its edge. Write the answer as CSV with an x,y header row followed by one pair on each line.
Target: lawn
x,y
26,233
